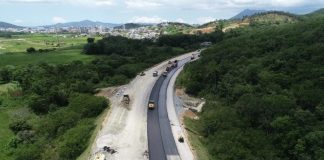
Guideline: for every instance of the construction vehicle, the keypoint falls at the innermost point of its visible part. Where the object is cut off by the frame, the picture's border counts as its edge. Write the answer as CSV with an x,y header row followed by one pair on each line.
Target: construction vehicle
x,y
100,156
181,139
109,150
151,104
175,64
192,57
169,68
126,99
165,73
155,74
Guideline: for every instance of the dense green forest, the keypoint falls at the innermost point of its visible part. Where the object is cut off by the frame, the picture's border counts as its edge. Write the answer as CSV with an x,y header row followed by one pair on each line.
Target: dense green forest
x,y
265,92
59,98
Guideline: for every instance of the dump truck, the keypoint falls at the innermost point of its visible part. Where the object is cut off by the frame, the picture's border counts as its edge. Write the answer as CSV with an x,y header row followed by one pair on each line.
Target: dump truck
x,y
175,63
126,99
155,74
151,104
192,57
165,73
100,156
169,68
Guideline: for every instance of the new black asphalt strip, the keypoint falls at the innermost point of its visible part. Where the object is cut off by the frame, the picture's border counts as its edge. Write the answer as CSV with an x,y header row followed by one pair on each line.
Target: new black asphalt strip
x,y
160,138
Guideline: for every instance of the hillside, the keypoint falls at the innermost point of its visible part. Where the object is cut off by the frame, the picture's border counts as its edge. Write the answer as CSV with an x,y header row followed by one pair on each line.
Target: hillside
x,y
174,28
8,25
246,13
85,23
317,13
258,19
132,26
270,18
264,91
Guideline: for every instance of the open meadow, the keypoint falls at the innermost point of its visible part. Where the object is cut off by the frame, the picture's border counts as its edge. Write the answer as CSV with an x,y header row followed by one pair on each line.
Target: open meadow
x,y
64,48
19,43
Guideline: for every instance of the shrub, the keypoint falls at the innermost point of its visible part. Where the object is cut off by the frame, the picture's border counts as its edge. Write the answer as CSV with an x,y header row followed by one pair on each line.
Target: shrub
x,y
75,140
31,50
19,125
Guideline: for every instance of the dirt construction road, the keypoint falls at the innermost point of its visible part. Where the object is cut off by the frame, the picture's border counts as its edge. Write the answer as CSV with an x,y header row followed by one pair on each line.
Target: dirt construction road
x,y
125,126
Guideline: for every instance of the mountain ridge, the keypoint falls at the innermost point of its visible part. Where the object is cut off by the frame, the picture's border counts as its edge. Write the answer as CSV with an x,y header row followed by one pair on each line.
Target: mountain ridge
x,y
83,23
246,13
9,25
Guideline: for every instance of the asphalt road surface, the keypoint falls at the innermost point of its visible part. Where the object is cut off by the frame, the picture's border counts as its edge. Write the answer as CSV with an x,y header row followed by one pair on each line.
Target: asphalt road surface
x,y
161,144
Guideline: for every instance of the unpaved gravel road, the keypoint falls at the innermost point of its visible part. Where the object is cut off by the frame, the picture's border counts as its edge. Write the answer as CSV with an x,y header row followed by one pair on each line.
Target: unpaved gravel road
x,y
125,127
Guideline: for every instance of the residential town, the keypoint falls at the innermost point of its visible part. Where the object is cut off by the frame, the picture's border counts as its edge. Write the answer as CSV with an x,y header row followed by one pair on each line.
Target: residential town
x,y
146,32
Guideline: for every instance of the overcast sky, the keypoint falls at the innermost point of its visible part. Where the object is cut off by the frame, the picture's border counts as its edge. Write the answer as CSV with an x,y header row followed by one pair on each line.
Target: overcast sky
x,y
40,12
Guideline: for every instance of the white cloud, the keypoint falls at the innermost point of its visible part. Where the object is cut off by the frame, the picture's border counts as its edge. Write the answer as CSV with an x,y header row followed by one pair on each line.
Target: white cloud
x,y
288,3
243,2
58,20
218,4
140,4
154,19
182,4
202,20
180,20
30,1
92,2
72,2
17,21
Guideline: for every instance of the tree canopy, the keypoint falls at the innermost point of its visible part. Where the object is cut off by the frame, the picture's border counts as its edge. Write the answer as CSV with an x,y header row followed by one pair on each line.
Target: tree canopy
x,y
268,85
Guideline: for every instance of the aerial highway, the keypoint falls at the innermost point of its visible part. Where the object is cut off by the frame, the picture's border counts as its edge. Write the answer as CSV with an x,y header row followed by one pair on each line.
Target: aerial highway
x,y
161,143
133,131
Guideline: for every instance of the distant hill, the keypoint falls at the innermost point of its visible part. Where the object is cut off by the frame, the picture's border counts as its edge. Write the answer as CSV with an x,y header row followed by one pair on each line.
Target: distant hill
x,y
85,23
8,25
271,17
132,25
263,18
174,27
246,13
179,24
319,12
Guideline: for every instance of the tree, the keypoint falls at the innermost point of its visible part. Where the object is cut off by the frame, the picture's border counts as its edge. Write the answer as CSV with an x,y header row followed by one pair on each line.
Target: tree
x,y
88,106
90,40
5,75
75,140
19,125
39,104
31,50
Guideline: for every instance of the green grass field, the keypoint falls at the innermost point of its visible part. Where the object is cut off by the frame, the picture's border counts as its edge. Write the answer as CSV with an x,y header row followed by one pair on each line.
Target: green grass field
x,y
19,43
8,108
6,87
60,56
5,133
13,50
200,149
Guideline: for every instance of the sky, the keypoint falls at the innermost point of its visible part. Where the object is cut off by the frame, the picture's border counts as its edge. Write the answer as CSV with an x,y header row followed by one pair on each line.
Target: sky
x,y
44,12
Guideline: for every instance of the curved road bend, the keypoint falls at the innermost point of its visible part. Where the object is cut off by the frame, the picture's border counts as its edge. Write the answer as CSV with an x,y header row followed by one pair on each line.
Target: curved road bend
x,y
161,144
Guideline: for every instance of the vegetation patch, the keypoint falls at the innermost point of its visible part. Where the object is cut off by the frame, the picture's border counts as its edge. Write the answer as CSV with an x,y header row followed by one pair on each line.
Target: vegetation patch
x,y
268,85
57,108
